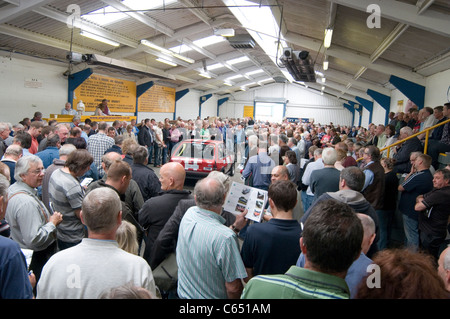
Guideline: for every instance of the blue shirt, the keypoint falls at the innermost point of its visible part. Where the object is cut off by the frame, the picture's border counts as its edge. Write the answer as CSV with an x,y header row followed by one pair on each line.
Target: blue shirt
x,y
48,155
14,283
260,167
207,255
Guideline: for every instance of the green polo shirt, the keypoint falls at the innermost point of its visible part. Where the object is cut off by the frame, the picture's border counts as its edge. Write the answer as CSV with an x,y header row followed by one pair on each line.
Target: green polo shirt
x,y
297,283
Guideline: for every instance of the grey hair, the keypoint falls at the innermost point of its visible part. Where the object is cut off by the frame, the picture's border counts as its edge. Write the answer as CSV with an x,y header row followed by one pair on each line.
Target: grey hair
x,y
23,165
329,156
100,209
367,223
209,193
66,149
407,130
4,184
223,178
14,150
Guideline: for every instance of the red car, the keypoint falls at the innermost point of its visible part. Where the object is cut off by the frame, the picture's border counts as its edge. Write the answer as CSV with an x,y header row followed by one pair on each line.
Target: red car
x,y
201,157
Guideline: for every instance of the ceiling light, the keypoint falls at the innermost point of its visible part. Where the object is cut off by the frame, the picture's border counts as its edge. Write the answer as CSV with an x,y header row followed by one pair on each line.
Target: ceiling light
x,y
228,83
224,32
327,39
325,64
156,47
205,75
165,51
323,80
182,57
99,38
166,61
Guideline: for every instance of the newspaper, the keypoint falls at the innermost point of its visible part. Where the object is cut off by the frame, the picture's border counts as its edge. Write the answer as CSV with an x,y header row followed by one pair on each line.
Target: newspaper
x,y
242,197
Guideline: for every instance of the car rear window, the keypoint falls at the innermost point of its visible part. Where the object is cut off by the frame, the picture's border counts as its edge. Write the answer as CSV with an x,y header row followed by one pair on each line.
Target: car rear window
x,y
196,150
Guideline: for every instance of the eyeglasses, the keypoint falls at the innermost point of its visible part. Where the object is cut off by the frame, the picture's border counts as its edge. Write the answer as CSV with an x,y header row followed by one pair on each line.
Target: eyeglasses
x,y
38,171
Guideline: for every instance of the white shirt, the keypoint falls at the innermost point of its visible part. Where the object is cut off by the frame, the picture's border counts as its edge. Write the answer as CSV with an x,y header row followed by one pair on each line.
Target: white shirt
x,y
317,164
90,268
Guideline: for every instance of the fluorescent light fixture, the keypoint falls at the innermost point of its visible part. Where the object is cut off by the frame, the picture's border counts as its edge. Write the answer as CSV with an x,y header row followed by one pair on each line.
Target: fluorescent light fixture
x,y
234,77
182,57
224,32
323,80
205,75
215,66
238,60
243,88
254,72
166,61
325,65
99,38
265,80
203,42
165,51
228,83
156,47
328,36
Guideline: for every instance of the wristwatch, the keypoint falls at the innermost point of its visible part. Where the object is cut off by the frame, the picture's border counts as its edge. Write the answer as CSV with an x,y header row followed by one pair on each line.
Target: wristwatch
x,y
235,229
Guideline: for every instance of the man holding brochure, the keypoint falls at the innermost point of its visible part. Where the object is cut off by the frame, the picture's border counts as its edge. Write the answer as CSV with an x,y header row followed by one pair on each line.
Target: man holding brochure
x,y
272,247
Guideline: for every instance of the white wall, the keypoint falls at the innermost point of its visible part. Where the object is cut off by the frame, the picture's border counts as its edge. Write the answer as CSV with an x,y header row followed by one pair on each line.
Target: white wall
x,y
301,103
438,89
187,106
378,114
18,100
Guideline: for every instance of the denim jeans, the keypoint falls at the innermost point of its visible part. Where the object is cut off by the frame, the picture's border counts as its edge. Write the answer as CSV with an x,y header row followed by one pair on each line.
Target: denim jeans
x,y
307,201
385,218
165,151
150,154
157,154
411,227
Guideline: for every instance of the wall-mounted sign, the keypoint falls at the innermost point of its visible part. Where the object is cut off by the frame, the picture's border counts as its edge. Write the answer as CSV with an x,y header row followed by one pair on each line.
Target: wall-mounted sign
x,y
121,94
33,83
157,99
248,111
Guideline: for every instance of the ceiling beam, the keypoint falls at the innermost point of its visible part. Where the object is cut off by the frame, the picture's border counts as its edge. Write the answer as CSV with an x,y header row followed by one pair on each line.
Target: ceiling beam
x,y
140,17
430,20
220,77
358,58
87,26
341,77
19,8
193,6
42,39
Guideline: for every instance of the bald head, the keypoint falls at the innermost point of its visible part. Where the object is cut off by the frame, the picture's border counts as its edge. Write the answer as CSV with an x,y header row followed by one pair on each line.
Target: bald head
x,y
110,158
172,176
280,172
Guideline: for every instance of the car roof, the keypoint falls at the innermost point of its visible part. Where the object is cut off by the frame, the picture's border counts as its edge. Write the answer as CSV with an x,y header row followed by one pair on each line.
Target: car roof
x,y
202,141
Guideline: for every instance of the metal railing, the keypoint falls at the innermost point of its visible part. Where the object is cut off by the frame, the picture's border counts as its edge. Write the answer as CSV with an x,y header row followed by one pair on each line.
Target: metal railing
x,y
427,134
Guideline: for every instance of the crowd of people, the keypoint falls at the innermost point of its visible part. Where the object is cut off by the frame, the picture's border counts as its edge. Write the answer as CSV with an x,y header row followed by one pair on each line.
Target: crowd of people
x,y
98,222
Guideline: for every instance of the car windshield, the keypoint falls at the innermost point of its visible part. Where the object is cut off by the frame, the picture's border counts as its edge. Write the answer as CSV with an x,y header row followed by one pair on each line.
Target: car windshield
x,y
196,150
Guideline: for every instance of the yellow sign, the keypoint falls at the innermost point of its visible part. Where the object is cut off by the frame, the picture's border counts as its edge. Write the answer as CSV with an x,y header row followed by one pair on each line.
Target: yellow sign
x,y
157,99
248,111
121,94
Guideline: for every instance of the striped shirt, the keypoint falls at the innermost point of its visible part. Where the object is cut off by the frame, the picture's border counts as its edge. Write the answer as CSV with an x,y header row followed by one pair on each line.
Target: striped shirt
x,y
66,194
97,145
297,283
207,255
